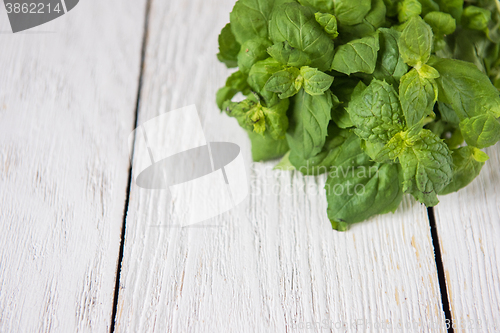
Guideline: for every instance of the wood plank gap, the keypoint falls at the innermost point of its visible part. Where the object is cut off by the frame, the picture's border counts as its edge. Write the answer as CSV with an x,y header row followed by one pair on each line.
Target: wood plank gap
x,y
127,199
440,268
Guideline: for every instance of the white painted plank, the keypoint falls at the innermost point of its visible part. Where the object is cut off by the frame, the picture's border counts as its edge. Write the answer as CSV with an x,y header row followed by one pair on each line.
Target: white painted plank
x,y
274,262
468,223
67,105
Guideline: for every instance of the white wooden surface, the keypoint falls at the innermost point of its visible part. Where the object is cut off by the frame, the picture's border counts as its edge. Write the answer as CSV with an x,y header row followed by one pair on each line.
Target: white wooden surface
x,y
468,223
274,263
67,104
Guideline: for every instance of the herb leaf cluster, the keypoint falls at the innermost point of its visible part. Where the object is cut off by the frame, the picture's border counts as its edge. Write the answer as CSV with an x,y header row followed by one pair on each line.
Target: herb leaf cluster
x,y
385,96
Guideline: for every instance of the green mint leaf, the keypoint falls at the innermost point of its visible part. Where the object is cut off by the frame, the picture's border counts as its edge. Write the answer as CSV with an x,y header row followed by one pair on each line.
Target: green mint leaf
x,y
259,74
448,114
455,140
276,119
328,22
228,47
408,9
493,29
426,71
321,162
340,116
285,82
265,148
358,188
257,119
345,88
392,7
479,155
359,55
235,83
284,164
313,166
392,149
474,99
452,7
297,25
315,82
476,18
410,53
288,55
238,81
252,51
375,19
481,131
373,150
416,41
428,6
224,94
449,132
418,96
376,112
390,65
467,164
253,116
325,6
309,120
241,111
250,18
465,88
472,46
441,23
351,12
427,165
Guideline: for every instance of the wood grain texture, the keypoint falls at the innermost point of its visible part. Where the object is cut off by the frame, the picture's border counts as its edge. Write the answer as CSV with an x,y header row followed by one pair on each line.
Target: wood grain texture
x,y
274,263
468,223
67,104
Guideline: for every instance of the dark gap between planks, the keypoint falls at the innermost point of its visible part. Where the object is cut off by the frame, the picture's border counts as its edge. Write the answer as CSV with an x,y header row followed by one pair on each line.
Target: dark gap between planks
x,y
440,268
127,199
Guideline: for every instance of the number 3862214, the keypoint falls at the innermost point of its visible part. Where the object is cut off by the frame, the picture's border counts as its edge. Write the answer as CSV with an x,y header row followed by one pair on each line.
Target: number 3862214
x,y
32,8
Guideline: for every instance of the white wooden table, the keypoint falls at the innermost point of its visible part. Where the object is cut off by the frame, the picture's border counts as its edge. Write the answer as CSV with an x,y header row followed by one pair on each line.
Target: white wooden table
x,y
71,260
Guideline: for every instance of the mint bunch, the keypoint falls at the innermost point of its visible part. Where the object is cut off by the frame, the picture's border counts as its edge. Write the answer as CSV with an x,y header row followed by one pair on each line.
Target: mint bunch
x,y
385,96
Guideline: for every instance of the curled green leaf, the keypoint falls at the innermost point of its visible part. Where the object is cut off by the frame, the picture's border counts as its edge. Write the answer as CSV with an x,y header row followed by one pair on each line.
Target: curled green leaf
x,y
328,22
476,18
